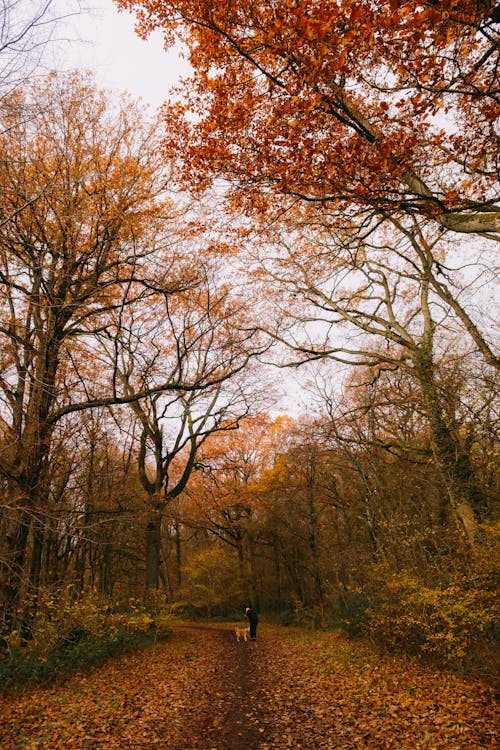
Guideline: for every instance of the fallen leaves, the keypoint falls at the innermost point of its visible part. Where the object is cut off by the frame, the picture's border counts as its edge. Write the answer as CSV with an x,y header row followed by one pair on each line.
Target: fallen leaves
x,y
337,700
291,689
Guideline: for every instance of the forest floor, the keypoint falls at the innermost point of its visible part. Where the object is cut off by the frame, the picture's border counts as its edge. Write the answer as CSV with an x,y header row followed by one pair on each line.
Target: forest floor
x,y
289,689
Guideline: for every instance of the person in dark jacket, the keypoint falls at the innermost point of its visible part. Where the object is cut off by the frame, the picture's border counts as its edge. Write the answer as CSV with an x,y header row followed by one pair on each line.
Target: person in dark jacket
x,y
253,619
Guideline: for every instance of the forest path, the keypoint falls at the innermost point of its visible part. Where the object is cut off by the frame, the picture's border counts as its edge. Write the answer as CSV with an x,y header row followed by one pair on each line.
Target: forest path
x,y
289,689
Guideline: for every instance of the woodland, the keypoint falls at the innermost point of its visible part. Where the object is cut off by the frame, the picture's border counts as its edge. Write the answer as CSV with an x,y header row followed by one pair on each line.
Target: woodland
x,y
248,346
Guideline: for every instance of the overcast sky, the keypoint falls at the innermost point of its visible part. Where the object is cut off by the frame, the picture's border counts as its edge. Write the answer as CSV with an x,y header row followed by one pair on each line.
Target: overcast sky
x,y
104,40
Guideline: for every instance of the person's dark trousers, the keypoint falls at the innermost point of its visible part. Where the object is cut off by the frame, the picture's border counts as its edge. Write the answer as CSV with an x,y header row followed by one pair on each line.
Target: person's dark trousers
x,y
253,630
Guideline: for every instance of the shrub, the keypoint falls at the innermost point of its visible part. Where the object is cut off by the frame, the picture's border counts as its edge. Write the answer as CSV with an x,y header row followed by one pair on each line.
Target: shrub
x,y
24,667
350,612
74,635
312,616
455,623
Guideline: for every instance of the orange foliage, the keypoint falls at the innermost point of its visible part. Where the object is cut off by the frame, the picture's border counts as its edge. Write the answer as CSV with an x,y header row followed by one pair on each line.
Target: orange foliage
x,y
231,464
334,101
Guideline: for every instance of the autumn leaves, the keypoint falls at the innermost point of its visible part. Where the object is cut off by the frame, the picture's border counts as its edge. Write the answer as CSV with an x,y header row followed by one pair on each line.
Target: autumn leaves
x,y
109,297
330,101
341,165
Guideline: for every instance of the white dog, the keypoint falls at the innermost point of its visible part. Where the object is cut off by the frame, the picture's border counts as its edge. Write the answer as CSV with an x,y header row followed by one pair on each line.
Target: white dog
x,y
241,633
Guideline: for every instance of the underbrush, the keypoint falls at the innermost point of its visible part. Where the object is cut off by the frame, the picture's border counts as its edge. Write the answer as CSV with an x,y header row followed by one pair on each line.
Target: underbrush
x,y
23,667
68,637
456,625
454,622
348,612
450,620
201,613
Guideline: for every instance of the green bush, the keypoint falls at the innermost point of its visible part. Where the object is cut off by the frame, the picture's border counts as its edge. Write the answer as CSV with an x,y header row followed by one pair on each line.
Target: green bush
x,y
313,617
68,636
286,618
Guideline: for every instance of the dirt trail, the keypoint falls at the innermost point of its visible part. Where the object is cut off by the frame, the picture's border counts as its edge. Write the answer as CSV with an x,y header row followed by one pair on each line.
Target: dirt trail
x,y
229,712
203,689
194,691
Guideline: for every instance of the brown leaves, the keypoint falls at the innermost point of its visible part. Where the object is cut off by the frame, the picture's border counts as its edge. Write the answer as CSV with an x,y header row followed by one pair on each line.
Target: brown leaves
x,y
132,702
335,694
291,689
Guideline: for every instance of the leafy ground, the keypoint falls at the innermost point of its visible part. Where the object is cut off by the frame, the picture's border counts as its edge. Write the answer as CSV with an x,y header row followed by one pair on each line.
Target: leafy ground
x,y
290,689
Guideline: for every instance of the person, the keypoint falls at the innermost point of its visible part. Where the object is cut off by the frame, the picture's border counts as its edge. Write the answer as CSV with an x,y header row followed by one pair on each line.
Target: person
x,y
253,620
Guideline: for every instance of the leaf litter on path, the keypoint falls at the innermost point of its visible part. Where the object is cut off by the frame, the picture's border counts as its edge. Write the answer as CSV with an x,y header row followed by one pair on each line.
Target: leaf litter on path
x,y
290,689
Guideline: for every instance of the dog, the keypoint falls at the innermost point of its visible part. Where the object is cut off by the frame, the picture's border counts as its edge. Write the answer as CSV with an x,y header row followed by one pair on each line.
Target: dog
x,y
241,633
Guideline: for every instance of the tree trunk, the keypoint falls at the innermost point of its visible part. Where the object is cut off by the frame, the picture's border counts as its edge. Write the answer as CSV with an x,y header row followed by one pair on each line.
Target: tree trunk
x,y
178,556
278,574
252,592
464,494
34,581
17,542
318,594
153,550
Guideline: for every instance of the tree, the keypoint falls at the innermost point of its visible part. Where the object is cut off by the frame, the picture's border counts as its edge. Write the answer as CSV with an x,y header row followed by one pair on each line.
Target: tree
x,y
27,30
378,427
210,585
382,105
200,333
81,216
300,507
94,522
223,498
386,291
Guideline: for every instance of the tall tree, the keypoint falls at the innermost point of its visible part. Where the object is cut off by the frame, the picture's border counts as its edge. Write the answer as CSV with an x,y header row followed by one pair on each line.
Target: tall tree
x,y
201,334
386,293
80,204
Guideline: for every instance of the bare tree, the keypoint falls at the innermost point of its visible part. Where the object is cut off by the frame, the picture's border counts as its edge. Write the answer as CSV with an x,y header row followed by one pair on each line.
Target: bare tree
x,y
28,29
384,305
199,335
81,220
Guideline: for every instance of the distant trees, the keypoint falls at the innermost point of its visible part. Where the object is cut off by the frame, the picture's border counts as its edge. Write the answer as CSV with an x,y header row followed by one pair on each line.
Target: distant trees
x,y
223,498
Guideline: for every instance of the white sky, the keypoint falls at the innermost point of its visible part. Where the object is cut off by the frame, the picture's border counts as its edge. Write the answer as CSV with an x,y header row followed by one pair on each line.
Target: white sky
x,y
104,40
